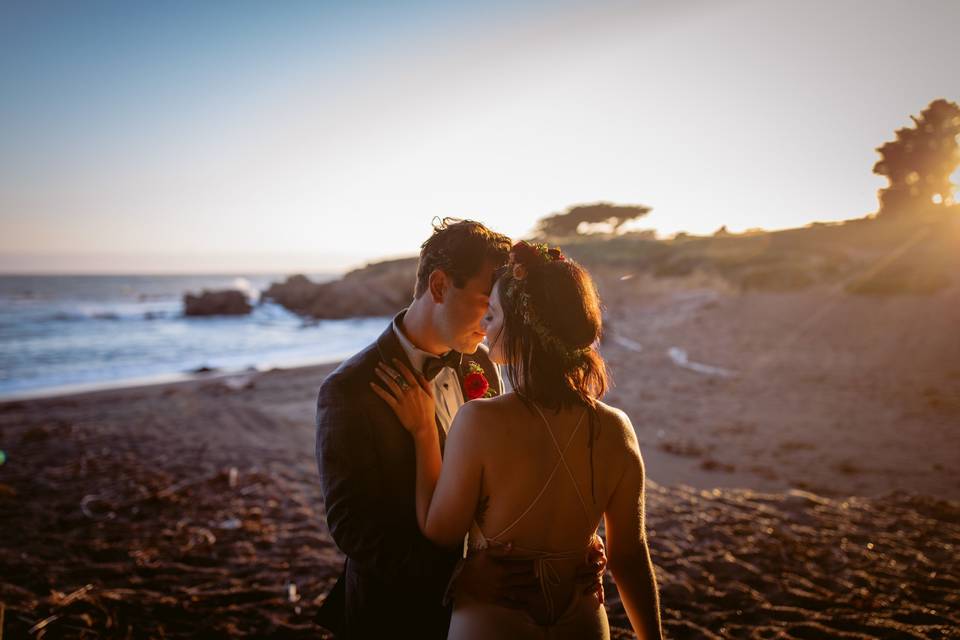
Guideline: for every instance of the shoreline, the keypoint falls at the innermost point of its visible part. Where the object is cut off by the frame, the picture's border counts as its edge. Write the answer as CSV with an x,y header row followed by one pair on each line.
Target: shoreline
x,y
158,381
679,460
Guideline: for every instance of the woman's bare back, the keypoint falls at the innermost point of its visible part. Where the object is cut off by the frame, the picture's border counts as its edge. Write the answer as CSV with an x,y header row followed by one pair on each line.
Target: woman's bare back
x,y
545,504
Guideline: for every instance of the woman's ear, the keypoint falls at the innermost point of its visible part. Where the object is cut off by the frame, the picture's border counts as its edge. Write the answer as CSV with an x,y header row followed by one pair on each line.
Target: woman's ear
x,y
438,283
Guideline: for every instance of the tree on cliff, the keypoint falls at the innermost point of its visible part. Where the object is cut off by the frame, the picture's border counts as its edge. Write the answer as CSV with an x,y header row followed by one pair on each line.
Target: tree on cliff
x,y
919,163
577,219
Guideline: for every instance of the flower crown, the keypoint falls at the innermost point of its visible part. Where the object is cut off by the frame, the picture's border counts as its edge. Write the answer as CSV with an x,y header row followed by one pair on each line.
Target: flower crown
x,y
523,257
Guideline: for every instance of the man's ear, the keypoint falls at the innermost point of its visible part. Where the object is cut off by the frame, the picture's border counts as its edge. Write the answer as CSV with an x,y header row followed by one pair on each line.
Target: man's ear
x,y
438,283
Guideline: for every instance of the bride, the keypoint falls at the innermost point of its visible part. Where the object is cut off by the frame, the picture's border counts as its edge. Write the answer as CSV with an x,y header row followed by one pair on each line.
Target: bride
x,y
540,466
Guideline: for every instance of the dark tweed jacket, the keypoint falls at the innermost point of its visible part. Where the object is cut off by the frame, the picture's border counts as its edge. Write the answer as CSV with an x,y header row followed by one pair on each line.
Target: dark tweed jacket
x,y
394,578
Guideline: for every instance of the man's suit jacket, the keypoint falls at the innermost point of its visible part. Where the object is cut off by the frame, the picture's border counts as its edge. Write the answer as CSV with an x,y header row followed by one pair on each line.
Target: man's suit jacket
x,y
394,578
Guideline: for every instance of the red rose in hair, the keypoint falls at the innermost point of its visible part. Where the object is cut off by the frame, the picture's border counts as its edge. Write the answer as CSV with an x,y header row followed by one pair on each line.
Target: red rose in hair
x,y
475,385
523,253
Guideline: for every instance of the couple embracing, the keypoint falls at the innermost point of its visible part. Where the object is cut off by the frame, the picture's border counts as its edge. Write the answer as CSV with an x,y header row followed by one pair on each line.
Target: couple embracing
x,y
465,511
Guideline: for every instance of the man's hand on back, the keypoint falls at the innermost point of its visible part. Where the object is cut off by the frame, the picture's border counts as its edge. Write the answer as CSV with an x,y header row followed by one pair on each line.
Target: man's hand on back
x,y
590,574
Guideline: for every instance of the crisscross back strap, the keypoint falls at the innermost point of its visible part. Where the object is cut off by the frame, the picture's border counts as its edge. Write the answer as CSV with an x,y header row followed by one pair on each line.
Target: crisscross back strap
x,y
561,461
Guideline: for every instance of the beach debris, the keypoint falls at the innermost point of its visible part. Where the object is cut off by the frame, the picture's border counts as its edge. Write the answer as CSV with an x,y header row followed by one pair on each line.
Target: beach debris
x,y
96,508
176,487
204,369
292,594
679,358
61,601
201,535
239,383
626,342
711,464
806,498
682,448
75,595
43,623
230,524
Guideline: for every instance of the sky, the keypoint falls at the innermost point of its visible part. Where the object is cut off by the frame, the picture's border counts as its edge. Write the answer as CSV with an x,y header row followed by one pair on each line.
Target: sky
x,y
316,136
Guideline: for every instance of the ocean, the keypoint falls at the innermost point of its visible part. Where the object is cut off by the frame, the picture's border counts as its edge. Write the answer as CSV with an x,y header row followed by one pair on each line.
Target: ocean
x,y
68,333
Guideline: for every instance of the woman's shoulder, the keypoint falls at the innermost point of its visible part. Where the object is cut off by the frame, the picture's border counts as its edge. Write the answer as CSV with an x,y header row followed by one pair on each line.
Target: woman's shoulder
x,y
490,414
483,409
477,424
618,423
613,416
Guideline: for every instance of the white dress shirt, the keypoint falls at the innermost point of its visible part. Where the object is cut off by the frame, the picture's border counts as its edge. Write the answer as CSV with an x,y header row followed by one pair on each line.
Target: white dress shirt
x,y
446,386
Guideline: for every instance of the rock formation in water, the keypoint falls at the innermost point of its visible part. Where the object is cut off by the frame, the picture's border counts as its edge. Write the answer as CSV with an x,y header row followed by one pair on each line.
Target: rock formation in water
x,y
216,303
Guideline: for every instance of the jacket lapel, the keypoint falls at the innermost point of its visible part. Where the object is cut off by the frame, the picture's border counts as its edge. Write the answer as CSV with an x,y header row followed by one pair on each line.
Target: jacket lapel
x,y
389,347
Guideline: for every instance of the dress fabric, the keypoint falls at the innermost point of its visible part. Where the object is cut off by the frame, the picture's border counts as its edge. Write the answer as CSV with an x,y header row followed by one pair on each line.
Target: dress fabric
x,y
580,617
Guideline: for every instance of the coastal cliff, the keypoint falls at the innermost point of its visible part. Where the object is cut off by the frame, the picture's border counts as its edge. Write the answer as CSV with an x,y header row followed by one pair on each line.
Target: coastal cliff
x,y
378,289
864,256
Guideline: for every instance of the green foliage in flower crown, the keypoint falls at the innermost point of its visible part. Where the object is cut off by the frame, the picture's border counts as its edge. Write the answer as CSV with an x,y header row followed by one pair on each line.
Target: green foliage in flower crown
x,y
516,291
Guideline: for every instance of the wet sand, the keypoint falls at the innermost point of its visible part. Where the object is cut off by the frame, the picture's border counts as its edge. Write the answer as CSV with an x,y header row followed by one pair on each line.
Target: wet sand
x,y
812,494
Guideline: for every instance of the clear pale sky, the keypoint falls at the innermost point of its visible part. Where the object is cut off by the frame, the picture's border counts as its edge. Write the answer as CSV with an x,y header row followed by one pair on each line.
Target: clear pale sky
x,y
255,136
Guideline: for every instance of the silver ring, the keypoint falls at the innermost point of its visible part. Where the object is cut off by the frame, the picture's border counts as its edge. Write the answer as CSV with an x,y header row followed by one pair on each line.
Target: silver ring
x,y
402,383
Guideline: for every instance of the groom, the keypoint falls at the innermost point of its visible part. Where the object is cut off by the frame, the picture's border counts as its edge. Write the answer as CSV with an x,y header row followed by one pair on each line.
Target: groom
x,y
394,578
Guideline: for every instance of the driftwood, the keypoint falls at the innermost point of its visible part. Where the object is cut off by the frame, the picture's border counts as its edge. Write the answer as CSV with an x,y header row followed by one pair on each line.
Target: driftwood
x,y
63,602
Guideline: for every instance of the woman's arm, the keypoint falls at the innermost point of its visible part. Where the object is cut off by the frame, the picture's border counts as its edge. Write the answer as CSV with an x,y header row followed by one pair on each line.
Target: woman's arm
x,y
447,496
451,493
627,550
427,445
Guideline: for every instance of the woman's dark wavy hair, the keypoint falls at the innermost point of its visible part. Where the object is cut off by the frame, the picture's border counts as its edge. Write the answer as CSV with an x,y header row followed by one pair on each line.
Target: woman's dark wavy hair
x,y
563,298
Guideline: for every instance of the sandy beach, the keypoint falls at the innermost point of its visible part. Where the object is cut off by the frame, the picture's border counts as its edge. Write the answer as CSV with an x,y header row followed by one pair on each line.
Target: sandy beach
x,y
815,389
800,450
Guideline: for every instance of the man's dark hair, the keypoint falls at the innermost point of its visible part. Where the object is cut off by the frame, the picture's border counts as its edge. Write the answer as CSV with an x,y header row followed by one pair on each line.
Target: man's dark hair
x,y
459,248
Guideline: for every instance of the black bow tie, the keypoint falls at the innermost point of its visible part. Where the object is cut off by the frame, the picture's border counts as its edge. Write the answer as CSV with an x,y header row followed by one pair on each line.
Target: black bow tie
x,y
432,365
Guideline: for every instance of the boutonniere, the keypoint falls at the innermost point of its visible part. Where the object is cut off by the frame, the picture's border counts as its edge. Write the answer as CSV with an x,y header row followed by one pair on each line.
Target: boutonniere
x,y
475,383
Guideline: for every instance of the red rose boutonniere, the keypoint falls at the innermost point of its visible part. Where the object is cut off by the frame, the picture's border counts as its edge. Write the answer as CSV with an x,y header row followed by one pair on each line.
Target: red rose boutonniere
x,y
475,383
